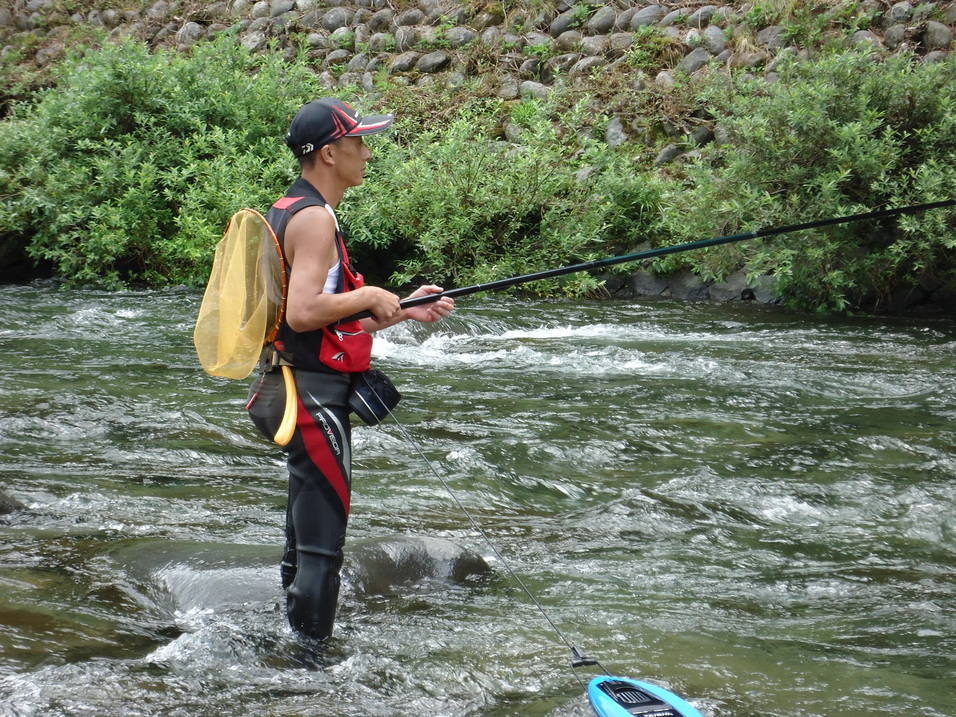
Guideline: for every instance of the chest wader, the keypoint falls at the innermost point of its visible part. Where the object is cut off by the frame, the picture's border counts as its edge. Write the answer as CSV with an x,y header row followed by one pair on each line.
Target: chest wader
x,y
319,452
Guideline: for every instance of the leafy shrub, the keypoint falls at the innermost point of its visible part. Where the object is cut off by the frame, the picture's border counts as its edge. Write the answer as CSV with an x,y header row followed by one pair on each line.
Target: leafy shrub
x,y
466,207
129,169
833,137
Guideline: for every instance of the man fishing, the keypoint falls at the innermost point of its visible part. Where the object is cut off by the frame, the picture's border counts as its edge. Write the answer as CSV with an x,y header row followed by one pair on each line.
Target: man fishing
x,y
326,136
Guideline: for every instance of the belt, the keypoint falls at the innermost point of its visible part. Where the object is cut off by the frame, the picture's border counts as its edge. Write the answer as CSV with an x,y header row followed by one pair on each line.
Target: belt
x,y
271,359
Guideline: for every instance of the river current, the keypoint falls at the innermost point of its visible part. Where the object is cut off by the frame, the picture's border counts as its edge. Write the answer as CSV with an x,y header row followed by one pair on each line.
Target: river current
x,y
753,508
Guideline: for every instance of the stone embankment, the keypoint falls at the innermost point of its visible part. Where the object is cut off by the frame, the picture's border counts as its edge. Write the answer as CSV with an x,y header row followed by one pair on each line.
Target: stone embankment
x,y
526,50
534,44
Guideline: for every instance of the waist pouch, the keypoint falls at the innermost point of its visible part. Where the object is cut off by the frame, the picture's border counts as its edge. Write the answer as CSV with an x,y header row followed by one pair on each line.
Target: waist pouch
x,y
372,396
266,402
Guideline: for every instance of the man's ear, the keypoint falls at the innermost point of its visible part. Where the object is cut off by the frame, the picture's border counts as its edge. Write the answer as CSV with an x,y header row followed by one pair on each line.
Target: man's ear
x,y
325,155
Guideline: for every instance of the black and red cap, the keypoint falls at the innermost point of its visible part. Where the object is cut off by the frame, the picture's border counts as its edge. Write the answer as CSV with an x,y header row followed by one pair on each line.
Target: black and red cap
x,y
323,121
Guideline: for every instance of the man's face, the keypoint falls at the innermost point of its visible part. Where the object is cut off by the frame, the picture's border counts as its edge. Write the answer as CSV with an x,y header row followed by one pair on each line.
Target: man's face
x,y
351,155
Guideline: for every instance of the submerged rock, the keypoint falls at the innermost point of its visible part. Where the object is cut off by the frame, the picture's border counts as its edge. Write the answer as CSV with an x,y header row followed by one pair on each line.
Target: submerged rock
x,y
380,565
10,505
186,575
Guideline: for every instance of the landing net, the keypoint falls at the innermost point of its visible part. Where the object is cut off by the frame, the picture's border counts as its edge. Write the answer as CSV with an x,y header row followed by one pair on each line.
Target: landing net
x,y
244,299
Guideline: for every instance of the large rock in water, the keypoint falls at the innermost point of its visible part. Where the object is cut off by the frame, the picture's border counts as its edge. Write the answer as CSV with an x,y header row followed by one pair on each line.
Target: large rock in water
x,y
187,575
380,565
9,505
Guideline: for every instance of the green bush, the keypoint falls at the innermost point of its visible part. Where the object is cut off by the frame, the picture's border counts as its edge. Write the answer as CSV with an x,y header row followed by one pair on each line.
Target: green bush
x,y
129,169
467,207
833,137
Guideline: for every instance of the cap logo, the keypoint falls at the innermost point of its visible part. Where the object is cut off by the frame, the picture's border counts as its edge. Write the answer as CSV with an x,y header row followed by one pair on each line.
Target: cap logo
x,y
343,123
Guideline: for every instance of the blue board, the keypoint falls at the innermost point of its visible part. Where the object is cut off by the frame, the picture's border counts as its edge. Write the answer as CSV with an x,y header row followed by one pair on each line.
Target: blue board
x,y
624,697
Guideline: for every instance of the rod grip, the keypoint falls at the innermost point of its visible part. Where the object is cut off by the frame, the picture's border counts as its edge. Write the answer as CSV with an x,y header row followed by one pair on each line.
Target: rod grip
x,y
404,303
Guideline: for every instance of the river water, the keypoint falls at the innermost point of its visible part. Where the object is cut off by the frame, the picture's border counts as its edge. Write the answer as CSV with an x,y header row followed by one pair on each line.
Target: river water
x,y
753,508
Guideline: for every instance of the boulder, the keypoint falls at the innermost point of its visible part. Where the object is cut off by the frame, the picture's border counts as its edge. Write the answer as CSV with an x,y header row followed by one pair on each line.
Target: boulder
x,y
381,21
864,38
336,18
9,505
695,59
405,62
937,36
562,23
586,65
568,41
189,33
773,37
614,135
643,283
280,7
409,18
602,22
433,62
701,17
459,37
336,58
714,39
667,155
900,12
651,15
530,88
253,41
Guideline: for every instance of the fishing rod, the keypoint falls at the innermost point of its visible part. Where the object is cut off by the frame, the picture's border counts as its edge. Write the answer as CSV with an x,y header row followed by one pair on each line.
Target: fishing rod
x,y
663,251
609,696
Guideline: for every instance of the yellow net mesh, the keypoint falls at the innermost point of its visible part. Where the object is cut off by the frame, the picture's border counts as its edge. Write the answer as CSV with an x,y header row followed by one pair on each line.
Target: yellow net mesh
x,y
243,303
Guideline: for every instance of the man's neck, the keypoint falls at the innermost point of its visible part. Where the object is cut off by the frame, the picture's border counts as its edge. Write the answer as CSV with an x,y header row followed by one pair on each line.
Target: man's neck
x,y
331,190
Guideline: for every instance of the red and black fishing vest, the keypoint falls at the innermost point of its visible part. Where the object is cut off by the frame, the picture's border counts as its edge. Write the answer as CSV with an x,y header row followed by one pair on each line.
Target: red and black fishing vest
x,y
345,347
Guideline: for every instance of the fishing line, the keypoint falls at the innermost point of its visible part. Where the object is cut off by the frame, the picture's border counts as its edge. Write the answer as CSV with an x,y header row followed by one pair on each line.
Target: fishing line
x,y
578,659
609,696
